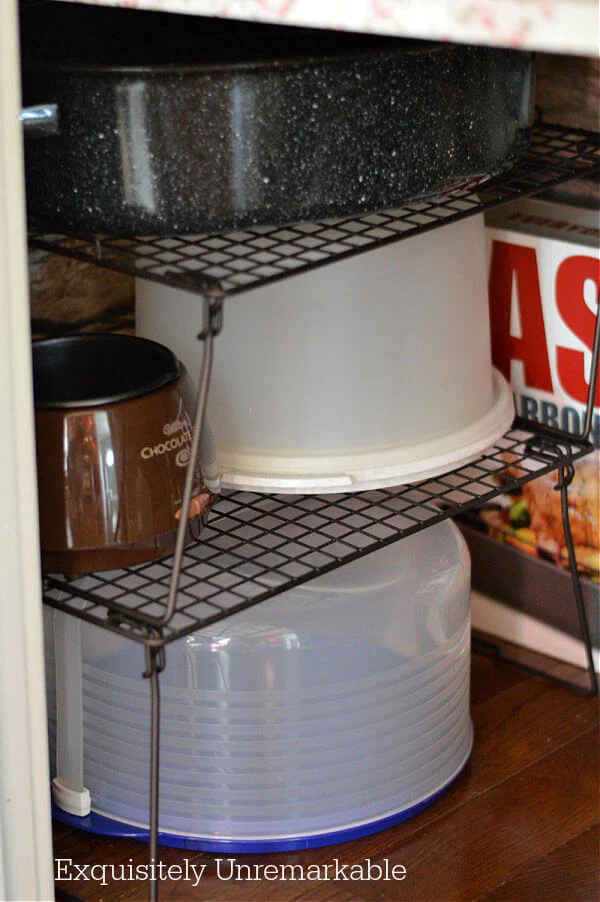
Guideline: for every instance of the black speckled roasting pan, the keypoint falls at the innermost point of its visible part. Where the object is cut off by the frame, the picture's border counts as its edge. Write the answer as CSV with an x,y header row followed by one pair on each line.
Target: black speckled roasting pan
x,y
183,124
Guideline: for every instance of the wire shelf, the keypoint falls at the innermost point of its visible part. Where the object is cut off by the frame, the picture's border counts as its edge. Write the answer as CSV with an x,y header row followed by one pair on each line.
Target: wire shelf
x,y
256,546
251,257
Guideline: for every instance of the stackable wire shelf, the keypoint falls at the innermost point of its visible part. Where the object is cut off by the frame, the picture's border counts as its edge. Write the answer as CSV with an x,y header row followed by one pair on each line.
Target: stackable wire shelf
x,y
256,546
248,258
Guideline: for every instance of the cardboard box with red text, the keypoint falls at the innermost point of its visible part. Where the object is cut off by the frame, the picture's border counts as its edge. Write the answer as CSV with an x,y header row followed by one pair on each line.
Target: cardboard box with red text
x,y
544,280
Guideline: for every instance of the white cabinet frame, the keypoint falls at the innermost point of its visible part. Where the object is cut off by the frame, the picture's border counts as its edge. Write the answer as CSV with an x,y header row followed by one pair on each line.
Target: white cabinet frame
x,y
25,838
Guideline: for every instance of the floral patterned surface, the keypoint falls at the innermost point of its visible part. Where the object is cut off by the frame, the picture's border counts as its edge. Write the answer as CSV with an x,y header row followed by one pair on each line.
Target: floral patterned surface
x,y
563,26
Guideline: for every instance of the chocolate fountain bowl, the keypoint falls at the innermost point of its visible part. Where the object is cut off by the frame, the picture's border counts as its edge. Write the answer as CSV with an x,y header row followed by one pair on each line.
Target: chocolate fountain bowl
x,y
113,419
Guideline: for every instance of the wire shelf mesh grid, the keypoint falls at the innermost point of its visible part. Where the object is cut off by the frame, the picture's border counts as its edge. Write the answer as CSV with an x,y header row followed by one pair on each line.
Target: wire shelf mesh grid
x,y
246,258
256,546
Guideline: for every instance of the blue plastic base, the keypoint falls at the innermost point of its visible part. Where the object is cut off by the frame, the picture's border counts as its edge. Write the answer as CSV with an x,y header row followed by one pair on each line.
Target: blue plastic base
x,y
106,826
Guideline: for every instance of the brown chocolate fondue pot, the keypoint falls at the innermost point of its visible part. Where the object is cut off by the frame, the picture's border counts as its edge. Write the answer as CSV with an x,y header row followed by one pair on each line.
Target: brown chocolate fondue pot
x,y
113,417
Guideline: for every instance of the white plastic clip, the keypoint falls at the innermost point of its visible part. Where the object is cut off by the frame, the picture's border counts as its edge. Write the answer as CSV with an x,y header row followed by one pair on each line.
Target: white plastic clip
x,y
73,801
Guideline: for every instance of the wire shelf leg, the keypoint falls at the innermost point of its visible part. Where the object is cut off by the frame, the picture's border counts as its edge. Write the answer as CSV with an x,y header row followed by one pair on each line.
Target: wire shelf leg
x,y
566,476
213,300
155,664
566,472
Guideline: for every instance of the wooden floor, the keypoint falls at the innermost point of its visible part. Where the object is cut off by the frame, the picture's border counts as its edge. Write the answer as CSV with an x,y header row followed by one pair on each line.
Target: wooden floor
x,y
520,823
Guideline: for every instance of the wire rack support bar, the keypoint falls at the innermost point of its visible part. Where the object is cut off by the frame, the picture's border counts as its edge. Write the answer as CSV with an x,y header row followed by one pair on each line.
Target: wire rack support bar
x,y
566,474
589,410
213,323
155,664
